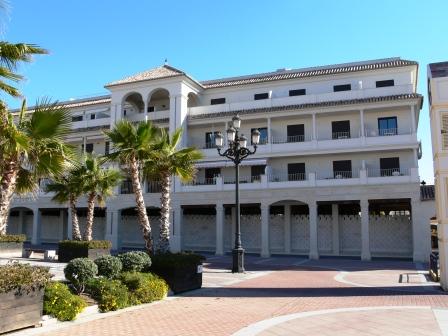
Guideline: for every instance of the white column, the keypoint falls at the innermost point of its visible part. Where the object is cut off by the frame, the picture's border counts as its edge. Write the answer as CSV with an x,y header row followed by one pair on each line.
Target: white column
x,y
69,225
35,239
314,252
176,233
84,143
269,131
264,231
413,121
420,232
314,127
362,126
365,238
219,229
287,229
145,109
335,226
113,218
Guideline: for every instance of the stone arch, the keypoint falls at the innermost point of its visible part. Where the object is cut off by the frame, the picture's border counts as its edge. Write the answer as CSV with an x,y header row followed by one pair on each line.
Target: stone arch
x,y
158,100
193,99
132,103
20,221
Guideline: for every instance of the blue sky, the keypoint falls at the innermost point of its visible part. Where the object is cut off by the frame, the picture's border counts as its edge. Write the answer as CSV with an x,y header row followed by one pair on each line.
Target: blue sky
x,y
94,42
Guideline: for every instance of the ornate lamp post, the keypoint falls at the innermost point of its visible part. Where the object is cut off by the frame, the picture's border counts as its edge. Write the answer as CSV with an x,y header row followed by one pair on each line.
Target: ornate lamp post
x,y
237,151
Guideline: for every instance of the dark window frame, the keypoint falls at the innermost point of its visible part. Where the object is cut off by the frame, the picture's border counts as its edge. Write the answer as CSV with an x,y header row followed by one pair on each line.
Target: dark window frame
x,y
390,166
263,140
342,87
345,172
297,92
337,132
261,96
77,118
385,83
296,171
217,101
387,131
291,135
210,139
256,172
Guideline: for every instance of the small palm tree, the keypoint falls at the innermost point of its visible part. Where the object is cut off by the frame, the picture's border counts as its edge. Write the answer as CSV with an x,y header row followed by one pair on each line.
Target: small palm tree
x,y
131,146
168,160
99,183
32,148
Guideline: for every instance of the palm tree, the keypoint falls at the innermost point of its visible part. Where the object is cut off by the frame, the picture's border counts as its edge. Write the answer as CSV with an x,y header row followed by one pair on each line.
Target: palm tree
x,y
131,146
11,55
30,149
99,183
168,160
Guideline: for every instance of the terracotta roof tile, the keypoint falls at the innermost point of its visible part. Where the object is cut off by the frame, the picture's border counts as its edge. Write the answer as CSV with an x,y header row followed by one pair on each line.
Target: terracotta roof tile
x,y
165,71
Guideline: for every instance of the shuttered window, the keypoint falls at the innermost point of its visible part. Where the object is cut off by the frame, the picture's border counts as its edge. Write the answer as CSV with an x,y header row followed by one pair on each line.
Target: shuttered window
x,y
444,131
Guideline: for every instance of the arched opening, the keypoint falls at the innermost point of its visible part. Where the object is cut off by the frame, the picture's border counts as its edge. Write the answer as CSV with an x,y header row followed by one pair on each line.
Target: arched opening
x,y
159,100
20,221
133,104
193,100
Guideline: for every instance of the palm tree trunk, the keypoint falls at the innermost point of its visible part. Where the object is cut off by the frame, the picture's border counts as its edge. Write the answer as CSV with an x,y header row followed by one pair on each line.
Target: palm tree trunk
x,y
76,232
143,219
7,188
165,199
89,219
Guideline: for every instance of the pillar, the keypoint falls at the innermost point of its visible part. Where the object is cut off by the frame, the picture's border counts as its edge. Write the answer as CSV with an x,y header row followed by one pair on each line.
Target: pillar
x,y
362,126
269,131
176,233
35,238
365,237
287,229
314,127
219,229
264,231
314,252
113,218
413,121
335,226
420,233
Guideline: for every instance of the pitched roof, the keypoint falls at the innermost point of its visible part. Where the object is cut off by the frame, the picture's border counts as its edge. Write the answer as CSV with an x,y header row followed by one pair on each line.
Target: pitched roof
x,y
309,72
427,193
164,71
308,105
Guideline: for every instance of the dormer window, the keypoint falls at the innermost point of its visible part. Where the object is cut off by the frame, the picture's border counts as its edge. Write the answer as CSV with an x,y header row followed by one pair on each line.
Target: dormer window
x,y
260,96
217,101
385,83
343,87
297,92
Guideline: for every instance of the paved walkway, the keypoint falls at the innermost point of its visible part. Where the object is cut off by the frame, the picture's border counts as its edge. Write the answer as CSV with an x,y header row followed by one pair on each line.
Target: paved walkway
x,y
290,296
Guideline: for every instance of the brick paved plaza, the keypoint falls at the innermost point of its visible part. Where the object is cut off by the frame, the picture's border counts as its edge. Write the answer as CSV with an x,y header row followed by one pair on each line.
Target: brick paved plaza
x,y
289,296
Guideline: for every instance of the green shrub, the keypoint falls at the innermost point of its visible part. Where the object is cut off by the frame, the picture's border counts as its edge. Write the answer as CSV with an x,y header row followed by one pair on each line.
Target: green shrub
x,y
144,287
135,261
23,278
110,294
176,259
12,238
92,244
61,303
109,266
80,270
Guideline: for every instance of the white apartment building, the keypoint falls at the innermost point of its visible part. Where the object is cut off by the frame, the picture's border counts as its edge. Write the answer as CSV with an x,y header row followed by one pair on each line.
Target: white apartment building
x,y
336,173
438,109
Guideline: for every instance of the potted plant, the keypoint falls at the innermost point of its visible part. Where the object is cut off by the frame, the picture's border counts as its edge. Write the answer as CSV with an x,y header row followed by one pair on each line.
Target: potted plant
x,y
11,246
182,271
71,249
21,295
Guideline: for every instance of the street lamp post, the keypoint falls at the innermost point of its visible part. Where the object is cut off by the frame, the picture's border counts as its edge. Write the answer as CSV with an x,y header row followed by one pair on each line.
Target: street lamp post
x,y
237,151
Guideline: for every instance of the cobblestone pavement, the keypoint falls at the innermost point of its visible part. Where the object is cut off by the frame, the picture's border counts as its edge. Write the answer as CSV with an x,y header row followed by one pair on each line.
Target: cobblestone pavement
x,y
347,297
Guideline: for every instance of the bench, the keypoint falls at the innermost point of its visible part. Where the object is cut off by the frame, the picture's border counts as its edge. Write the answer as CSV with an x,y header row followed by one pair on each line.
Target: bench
x,y
31,253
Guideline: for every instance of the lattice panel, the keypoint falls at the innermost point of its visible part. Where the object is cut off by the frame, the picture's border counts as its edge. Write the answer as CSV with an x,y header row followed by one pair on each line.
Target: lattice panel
x,y
251,232
277,233
325,233
350,234
50,229
199,232
130,233
300,233
390,236
445,131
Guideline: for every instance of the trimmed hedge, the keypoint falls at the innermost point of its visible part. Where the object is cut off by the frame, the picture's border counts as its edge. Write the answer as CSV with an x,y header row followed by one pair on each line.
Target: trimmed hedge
x,y
79,271
110,294
109,266
144,287
135,261
23,278
12,238
61,303
71,249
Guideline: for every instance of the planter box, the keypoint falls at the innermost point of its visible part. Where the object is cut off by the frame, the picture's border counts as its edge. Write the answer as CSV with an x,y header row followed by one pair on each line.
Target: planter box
x,y
11,250
66,254
180,278
20,311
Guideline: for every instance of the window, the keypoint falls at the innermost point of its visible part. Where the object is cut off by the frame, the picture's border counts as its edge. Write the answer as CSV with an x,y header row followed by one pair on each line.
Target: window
x,y
342,169
256,172
210,139
298,92
77,118
210,174
390,166
106,147
259,96
217,101
263,135
295,133
343,87
296,171
387,126
89,148
92,116
340,129
385,83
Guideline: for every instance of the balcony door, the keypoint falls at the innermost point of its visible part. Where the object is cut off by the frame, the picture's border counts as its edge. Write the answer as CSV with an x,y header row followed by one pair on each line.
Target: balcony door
x,y
256,172
210,139
387,126
296,133
263,135
340,129
296,171
342,169
390,166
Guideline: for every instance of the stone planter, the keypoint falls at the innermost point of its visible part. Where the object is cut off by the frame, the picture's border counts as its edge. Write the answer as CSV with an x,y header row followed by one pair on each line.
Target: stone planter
x,y
180,278
20,311
11,250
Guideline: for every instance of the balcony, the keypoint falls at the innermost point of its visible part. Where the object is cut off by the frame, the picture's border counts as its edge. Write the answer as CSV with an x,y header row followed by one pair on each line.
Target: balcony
x,y
91,123
156,115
